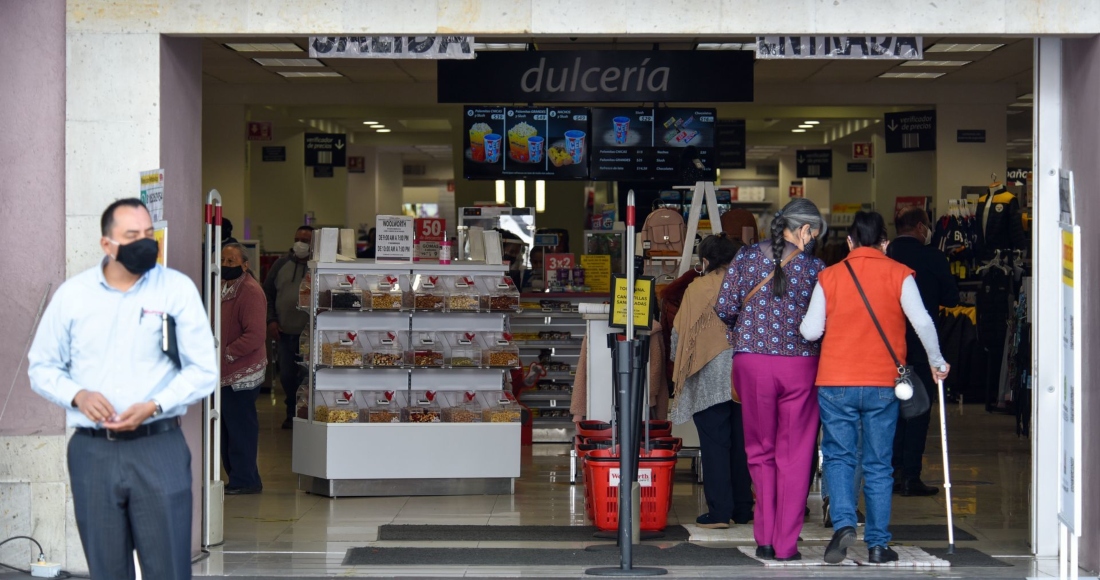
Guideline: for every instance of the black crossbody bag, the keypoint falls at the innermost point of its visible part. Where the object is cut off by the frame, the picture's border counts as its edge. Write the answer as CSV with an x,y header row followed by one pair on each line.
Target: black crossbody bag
x,y
919,403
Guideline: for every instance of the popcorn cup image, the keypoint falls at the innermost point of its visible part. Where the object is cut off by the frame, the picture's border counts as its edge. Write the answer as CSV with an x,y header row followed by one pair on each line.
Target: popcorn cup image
x,y
574,145
518,147
477,141
492,148
535,149
622,129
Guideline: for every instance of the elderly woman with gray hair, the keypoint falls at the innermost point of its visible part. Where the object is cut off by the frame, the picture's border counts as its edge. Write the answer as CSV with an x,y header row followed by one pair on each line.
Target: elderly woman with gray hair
x,y
244,362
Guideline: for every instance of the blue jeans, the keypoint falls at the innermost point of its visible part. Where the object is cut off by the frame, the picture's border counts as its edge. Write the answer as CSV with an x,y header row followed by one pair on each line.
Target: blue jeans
x,y
845,413
857,479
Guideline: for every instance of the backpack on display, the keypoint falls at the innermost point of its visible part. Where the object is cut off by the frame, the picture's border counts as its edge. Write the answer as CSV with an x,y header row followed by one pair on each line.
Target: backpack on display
x,y
663,233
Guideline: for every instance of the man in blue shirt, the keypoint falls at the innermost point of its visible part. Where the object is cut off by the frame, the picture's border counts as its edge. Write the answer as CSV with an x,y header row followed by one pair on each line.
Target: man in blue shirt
x,y
98,354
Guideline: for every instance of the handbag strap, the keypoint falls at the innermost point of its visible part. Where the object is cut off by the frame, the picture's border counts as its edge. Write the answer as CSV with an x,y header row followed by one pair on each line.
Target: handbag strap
x,y
874,318
768,278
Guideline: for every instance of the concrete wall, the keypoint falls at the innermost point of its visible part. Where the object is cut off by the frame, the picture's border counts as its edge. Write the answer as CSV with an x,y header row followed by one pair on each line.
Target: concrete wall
x,y
1081,154
33,479
276,191
225,161
619,17
850,187
901,175
959,164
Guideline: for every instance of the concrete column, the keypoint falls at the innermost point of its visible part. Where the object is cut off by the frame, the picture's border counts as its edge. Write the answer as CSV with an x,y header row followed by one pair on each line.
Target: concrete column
x,y
391,181
225,161
1081,154
850,187
901,175
33,478
959,164
277,190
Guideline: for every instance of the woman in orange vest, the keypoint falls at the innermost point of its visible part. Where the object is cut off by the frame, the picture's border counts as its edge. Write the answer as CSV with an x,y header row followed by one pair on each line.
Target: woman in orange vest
x,y
855,378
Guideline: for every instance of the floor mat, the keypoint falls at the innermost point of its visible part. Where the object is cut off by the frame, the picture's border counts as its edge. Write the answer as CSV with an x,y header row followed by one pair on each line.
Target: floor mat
x,y
415,533
680,555
927,533
908,557
968,558
814,532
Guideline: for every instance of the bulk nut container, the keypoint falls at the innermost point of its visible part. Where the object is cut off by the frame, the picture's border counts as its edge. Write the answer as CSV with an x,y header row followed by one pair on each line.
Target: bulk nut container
x,y
386,349
465,349
341,349
423,407
335,407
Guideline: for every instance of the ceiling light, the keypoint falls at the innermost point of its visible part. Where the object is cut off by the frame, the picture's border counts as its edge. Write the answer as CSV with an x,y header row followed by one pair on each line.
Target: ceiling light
x,y
805,126
309,75
948,47
1027,97
288,62
501,194
936,62
812,123
540,196
378,126
264,47
500,46
798,130
383,130
521,194
910,75
1022,104
371,123
726,46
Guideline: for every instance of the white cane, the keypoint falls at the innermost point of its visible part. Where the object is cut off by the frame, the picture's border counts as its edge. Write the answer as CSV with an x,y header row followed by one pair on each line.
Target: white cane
x,y
946,469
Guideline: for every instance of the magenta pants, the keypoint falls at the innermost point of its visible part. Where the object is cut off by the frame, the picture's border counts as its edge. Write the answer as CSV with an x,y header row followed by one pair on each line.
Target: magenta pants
x,y
780,410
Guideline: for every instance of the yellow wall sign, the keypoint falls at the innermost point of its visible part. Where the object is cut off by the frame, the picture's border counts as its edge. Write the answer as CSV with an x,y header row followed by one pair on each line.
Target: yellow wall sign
x,y
160,234
597,273
1067,258
644,302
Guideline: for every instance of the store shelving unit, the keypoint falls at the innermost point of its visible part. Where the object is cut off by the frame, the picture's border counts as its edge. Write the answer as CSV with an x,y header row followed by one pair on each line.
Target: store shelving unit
x,y
380,459
550,397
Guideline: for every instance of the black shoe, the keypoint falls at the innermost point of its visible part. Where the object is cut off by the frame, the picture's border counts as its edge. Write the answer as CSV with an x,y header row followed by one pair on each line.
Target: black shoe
x,y
711,523
742,521
881,555
899,486
765,552
917,488
288,424
826,517
837,550
243,490
792,558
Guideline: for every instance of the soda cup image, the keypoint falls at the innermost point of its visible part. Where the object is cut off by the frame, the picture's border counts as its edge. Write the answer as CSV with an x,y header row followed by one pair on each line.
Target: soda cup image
x,y
535,149
622,129
492,148
574,145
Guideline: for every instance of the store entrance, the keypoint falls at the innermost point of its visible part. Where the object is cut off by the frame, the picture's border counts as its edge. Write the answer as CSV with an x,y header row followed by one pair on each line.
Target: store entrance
x,y
405,154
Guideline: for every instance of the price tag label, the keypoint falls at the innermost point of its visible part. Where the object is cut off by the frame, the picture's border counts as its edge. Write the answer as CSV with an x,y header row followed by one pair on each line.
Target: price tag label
x,y
431,229
554,262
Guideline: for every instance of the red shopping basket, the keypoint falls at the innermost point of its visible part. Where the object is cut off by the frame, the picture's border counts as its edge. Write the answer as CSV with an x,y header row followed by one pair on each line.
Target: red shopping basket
x,y
602,493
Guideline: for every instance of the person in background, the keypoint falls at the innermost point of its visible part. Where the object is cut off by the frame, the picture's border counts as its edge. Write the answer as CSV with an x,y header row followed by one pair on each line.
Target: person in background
x,y
244,365
368,251
285,322
703,366
856,378
764,296
937,288
97,354
227,232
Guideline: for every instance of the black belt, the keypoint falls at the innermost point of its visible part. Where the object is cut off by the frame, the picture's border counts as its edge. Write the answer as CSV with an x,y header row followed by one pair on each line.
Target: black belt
x,y
162,426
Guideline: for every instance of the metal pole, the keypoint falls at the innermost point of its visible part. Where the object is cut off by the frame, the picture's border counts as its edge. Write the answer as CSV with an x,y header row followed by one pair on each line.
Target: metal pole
x,y
212,500
625,357
946,472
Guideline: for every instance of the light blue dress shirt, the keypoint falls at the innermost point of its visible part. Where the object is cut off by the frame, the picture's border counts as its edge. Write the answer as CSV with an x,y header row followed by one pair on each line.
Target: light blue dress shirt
x,y
95,337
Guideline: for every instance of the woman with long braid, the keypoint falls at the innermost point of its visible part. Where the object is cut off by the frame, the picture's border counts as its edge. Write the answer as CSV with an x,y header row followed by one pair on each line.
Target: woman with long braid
x,y
763,300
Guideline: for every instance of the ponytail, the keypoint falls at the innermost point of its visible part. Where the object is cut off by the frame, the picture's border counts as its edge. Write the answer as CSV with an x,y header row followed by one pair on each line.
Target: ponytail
x,y
779,246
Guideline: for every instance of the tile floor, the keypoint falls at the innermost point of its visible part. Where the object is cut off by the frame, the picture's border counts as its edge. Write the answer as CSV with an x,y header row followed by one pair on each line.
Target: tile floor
x,y
284,532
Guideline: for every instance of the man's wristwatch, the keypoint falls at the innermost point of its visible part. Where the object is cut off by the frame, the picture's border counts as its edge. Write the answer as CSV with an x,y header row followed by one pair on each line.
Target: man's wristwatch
x,y
158,411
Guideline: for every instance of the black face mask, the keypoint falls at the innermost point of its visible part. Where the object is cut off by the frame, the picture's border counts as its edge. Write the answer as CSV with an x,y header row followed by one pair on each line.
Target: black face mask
x,y
232,272
138,257
810,245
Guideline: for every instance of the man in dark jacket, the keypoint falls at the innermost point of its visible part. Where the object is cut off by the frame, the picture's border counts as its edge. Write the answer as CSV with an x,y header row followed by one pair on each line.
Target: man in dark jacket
x,y
937,288
285,322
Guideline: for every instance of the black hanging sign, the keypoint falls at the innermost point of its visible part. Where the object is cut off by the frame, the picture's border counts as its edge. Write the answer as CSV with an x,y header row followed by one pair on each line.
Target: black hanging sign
x,y
911,131
814,163
570,76
326,149
274,154
731,144
970,136
857,168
